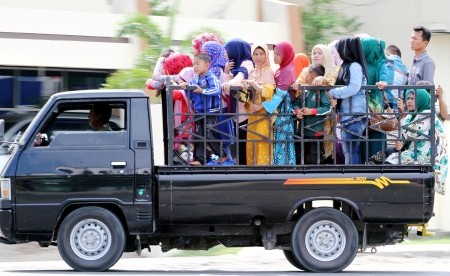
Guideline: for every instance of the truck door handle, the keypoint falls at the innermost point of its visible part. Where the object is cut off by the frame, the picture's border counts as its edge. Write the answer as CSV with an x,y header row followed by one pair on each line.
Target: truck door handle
x,y
118,164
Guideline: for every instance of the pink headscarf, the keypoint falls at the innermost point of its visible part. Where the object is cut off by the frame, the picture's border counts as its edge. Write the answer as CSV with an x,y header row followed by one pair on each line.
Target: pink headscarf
x,y
285,75
187,74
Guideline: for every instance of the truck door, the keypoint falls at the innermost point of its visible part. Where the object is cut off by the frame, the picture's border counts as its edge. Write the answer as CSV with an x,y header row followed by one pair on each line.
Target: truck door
x,y
74,163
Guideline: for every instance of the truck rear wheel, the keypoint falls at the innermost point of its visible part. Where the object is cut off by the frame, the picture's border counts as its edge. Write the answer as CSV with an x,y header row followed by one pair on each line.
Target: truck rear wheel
x,y
91,239
324,240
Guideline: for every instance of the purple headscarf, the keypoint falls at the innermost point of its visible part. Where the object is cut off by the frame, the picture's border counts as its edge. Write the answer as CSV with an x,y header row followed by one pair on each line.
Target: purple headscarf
x,y
217,53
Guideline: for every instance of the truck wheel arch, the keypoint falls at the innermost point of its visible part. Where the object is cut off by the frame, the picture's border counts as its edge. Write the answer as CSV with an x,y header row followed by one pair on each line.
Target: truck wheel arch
x,y
299,204
69,208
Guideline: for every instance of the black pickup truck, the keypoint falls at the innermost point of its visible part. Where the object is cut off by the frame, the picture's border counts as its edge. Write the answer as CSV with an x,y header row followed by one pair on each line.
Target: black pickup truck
x,y
97,194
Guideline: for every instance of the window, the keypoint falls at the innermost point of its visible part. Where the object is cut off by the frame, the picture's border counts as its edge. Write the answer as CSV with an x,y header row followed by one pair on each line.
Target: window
x,y
76,124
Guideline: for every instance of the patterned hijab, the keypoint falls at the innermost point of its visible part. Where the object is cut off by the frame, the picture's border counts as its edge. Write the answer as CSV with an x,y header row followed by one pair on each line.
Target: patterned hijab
x,y
198,41
217,53
285,75
238,51
301,61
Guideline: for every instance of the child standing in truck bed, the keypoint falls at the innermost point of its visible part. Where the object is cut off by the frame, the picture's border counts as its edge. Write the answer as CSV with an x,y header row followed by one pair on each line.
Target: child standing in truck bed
x,y
311,108
206,104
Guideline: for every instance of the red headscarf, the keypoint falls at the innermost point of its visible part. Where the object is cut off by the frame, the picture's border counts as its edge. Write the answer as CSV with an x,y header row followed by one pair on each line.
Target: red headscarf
x,y
285,75
174,63
300,61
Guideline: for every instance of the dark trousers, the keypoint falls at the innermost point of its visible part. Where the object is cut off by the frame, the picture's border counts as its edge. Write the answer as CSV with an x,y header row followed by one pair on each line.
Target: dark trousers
x,y
205,135
314,150
240,147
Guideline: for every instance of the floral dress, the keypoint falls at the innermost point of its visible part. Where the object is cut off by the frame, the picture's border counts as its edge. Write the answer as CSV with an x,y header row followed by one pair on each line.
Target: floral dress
x,y
419,151
284,147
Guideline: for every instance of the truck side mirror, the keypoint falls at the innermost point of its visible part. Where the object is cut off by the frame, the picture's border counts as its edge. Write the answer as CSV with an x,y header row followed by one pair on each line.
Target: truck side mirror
x,y
2,129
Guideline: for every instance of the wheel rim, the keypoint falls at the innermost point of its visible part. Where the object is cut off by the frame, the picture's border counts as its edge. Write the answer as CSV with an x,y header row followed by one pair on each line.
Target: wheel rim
x,y
325,240
90,239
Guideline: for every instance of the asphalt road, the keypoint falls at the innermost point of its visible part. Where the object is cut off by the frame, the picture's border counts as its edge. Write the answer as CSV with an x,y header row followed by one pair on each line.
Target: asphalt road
x,y
402,259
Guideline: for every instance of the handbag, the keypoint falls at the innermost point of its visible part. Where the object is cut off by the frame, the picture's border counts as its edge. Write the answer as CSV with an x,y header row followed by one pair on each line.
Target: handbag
x,y
383,122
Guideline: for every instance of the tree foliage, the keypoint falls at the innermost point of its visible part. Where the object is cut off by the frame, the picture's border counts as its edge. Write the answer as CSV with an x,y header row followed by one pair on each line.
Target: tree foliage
x,y
141,26
162,8
321,21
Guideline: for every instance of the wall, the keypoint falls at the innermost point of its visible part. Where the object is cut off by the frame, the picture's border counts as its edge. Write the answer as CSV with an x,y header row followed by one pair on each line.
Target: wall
x,y
63,39
393,20
63,5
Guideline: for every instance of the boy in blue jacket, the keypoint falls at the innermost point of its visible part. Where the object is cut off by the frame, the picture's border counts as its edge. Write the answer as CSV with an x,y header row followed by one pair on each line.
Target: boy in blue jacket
x,y
206,104
312,107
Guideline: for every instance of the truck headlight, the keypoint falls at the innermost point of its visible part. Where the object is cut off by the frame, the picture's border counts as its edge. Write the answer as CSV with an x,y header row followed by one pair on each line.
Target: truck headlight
x,y
5,184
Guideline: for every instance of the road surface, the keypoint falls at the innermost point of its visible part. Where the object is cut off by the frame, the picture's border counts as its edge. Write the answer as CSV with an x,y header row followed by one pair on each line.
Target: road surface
x,y
402,259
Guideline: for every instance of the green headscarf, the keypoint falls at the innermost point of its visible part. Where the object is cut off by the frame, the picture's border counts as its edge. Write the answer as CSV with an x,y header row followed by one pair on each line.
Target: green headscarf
x,y
373,49
422,101
375,58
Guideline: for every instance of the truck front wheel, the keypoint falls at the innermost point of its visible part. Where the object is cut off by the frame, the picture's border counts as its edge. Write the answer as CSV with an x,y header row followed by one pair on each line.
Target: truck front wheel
x,y
91,239
324,240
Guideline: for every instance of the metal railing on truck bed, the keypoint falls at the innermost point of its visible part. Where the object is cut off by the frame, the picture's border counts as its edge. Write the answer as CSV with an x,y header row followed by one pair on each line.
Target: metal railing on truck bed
x,y
241,132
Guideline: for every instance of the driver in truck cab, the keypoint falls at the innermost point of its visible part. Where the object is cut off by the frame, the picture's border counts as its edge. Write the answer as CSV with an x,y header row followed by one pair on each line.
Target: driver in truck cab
x,y
99,116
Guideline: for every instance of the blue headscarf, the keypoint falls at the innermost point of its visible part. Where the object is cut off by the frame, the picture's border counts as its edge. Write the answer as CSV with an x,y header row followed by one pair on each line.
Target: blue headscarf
x,y
217,53
238,51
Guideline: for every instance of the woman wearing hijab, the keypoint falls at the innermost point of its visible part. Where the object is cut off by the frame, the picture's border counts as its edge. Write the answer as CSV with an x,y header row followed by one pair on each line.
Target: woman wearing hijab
x,y
373,49
352,104
172,66
284,149
321,54
301,61
182,108
416,128
259,130
237,69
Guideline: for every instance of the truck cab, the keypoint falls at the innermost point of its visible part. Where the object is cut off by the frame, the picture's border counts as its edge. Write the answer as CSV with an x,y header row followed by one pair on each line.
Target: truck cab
x,y
79,166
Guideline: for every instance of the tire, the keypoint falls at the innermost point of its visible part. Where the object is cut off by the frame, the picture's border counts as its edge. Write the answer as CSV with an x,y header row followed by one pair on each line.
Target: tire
x,y
292,260
91,239
324,240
